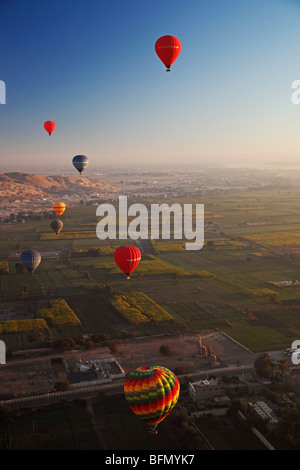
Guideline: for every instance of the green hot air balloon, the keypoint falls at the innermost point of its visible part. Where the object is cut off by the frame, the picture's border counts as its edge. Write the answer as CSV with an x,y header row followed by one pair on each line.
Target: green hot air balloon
x,y
56,226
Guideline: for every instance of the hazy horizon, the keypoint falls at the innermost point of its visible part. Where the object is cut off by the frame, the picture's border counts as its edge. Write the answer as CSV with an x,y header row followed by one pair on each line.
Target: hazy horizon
x,y
128,169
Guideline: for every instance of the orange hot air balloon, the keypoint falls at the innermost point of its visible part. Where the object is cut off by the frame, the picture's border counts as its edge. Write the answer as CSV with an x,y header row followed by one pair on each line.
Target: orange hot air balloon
x,y
168,49
59,208
127,258
49,126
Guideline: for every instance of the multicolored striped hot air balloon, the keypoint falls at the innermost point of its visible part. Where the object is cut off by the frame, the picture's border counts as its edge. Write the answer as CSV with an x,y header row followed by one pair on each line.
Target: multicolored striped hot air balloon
x,y
30,259
59,208
80,162
127,258
56,226
152,392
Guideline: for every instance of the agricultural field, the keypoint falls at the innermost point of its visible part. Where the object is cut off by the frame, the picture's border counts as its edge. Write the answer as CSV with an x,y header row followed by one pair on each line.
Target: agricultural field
x,y
67,428
121,429
154,266
58,314
138,308
274,239
231,284
67,235
54,322
108,425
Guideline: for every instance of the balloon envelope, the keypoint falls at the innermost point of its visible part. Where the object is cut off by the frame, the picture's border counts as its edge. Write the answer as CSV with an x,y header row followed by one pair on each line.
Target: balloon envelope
x,y
56,226
127,258
59,208
30,259
152,392
80,162
49,126
168,49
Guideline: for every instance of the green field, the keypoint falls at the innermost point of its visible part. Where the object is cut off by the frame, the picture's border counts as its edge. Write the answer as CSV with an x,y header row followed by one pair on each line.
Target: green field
x,y
122,429
113,426
154,266
68,428
225,285
276,239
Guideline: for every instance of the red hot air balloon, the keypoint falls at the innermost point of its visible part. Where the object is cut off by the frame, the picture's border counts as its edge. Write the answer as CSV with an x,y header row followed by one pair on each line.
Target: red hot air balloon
x,y
127,258
168,49
49,126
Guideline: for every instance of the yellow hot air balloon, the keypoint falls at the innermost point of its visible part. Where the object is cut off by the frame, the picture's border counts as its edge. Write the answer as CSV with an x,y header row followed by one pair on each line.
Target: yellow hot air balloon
x,y
59,208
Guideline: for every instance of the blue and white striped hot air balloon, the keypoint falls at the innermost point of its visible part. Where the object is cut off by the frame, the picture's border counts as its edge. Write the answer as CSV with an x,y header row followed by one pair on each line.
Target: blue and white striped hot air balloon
x,y
30,259
80,162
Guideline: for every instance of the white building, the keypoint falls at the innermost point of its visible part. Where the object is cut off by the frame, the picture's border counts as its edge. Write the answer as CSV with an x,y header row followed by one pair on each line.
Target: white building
x,y
205,389
264,412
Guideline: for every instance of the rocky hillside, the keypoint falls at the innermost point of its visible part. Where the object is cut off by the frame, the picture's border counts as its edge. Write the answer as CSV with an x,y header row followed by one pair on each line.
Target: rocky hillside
x,y
22,186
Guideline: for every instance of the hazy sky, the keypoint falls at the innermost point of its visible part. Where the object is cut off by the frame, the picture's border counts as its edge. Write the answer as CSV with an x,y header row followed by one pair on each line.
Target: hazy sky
x,y
90,66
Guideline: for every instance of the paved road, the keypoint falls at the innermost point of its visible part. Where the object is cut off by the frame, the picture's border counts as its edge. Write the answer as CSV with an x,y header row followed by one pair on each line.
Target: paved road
x,y
89,392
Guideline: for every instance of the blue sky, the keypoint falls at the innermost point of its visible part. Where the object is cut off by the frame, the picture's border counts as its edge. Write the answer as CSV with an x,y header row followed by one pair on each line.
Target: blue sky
x,y
91,67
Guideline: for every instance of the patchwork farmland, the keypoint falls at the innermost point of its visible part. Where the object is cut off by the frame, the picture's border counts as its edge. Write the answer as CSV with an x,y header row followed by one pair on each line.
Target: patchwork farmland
x,y
233,283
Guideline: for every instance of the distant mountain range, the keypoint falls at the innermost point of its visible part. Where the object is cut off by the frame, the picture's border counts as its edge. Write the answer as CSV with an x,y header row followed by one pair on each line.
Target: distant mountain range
x,y
22,186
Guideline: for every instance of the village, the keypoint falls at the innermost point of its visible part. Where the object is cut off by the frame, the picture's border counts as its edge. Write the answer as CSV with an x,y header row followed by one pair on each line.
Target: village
x,y
217,384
